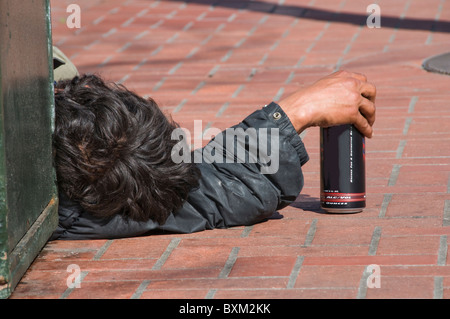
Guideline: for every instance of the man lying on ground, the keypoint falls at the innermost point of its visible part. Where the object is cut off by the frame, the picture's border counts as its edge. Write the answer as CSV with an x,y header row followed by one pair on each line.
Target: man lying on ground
x,y
122,172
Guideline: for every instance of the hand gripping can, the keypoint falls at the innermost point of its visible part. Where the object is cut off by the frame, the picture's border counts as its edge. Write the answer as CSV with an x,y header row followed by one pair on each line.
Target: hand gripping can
x,y
342,169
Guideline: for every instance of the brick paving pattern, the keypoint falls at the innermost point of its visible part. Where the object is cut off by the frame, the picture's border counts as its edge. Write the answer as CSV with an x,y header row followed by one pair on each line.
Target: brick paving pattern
x,y
217,61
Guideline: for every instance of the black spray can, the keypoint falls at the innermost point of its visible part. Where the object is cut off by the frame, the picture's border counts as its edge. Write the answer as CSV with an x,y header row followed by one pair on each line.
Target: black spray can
x,y
342,169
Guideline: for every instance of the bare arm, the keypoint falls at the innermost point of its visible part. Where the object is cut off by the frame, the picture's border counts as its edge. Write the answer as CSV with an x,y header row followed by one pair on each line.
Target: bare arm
x,y
340,98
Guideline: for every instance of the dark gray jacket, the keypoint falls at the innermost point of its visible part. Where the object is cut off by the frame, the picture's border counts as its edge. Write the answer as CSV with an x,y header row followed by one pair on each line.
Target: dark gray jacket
x,y
229,194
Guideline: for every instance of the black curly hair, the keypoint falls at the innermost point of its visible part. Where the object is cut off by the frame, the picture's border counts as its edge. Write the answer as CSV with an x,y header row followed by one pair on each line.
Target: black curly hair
x,y
112,152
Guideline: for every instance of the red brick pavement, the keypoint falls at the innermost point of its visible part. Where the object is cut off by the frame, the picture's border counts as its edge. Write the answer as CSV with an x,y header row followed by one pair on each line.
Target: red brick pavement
x,y
217,61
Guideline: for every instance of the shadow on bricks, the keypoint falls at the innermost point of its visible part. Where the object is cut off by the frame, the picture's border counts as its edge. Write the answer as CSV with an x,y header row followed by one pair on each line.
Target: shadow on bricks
x,y
325,15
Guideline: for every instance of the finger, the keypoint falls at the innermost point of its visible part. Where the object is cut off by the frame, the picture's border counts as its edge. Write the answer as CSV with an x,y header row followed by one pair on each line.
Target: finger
x,y
368,90
367,109
359,76
363,126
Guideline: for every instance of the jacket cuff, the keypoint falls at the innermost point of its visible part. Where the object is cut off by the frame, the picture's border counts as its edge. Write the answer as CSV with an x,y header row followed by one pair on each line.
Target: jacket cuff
x,y
277,116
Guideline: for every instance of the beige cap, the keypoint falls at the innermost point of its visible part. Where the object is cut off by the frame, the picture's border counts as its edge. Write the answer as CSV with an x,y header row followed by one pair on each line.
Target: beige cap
x,y
63,68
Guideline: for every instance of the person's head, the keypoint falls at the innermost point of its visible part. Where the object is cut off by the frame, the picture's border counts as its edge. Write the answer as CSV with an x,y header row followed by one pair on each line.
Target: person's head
x,y
112,152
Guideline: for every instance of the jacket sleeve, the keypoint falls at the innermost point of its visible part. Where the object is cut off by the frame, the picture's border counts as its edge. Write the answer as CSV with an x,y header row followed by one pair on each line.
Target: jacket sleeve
x,y
247,173
238,189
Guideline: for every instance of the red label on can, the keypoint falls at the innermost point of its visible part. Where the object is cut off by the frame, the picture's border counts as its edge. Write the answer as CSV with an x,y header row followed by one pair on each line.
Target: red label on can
x,y
342,197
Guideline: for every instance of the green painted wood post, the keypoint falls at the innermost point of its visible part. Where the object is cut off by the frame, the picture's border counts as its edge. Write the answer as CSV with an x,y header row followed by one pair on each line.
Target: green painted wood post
x,y
28,193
